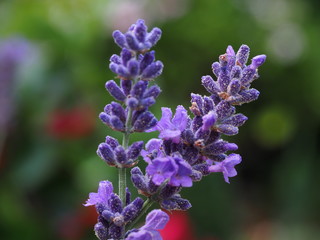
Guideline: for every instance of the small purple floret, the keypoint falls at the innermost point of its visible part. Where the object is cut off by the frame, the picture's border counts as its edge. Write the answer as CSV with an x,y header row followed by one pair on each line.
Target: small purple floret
x,y
155,220
102,196
171,128
227,166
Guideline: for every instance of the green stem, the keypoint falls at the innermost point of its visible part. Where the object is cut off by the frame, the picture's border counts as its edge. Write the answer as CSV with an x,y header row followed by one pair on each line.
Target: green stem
x,y
122,176
122,184
122,171
146,205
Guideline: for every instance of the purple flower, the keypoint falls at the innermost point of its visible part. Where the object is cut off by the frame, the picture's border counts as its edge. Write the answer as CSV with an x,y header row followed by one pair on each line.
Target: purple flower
x,y
171,128
162,169
153,150
182,176
227,166
155,220
102,196
174,169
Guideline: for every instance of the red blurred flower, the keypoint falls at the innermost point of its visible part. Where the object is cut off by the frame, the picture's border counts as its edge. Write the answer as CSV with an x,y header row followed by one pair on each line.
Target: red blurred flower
x,y
73,123
179,227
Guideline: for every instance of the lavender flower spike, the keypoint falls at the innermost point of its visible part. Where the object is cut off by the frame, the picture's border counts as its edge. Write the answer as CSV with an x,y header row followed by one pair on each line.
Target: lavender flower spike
x,y
187,149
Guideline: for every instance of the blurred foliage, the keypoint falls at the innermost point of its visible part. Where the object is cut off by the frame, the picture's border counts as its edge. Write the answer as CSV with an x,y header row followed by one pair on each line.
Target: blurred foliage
x,y
48,164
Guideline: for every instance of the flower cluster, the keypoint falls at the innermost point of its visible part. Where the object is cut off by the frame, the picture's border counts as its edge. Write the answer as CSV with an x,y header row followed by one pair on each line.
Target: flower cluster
x,y
115,155
187,148
113,216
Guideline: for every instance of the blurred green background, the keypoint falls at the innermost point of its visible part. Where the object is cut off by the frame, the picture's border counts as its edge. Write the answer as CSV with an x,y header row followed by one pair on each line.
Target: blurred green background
x,y
49,109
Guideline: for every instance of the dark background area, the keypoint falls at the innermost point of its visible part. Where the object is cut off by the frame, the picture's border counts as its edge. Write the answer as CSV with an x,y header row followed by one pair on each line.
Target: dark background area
x,y
49,106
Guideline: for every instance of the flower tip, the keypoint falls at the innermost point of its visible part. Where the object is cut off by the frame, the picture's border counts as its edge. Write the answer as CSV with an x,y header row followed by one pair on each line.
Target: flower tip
x,y
231,147
244,47
257,61
140,21
230,51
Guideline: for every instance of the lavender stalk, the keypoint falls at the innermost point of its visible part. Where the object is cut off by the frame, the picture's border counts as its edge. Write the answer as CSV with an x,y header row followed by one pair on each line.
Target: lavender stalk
x,y
187,148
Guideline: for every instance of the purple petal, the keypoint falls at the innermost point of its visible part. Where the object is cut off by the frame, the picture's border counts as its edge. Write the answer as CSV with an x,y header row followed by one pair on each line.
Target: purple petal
x,y
165,121
234,87
126,55
153,70
153,91
115,90
170,134
153,144
133,68
118,111
126,86
105,152
156,220
209,120
161,169
138,179
243,55
180,118
216,68
140,30
102,196
224,79
230,162
147,59
247,96
101,231
235,72
224,109
120,154
210,84
115,59
112,142
144,122
247,75
132,41
154,36
220,147
134,150
139,88
140,235
119,38
236,120
227,129
257,61
208,104
230,51
227,166
216,168
116,123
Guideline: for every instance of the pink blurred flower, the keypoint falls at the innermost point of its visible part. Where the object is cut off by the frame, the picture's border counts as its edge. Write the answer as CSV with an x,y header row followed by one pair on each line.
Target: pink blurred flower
x,y
179,227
